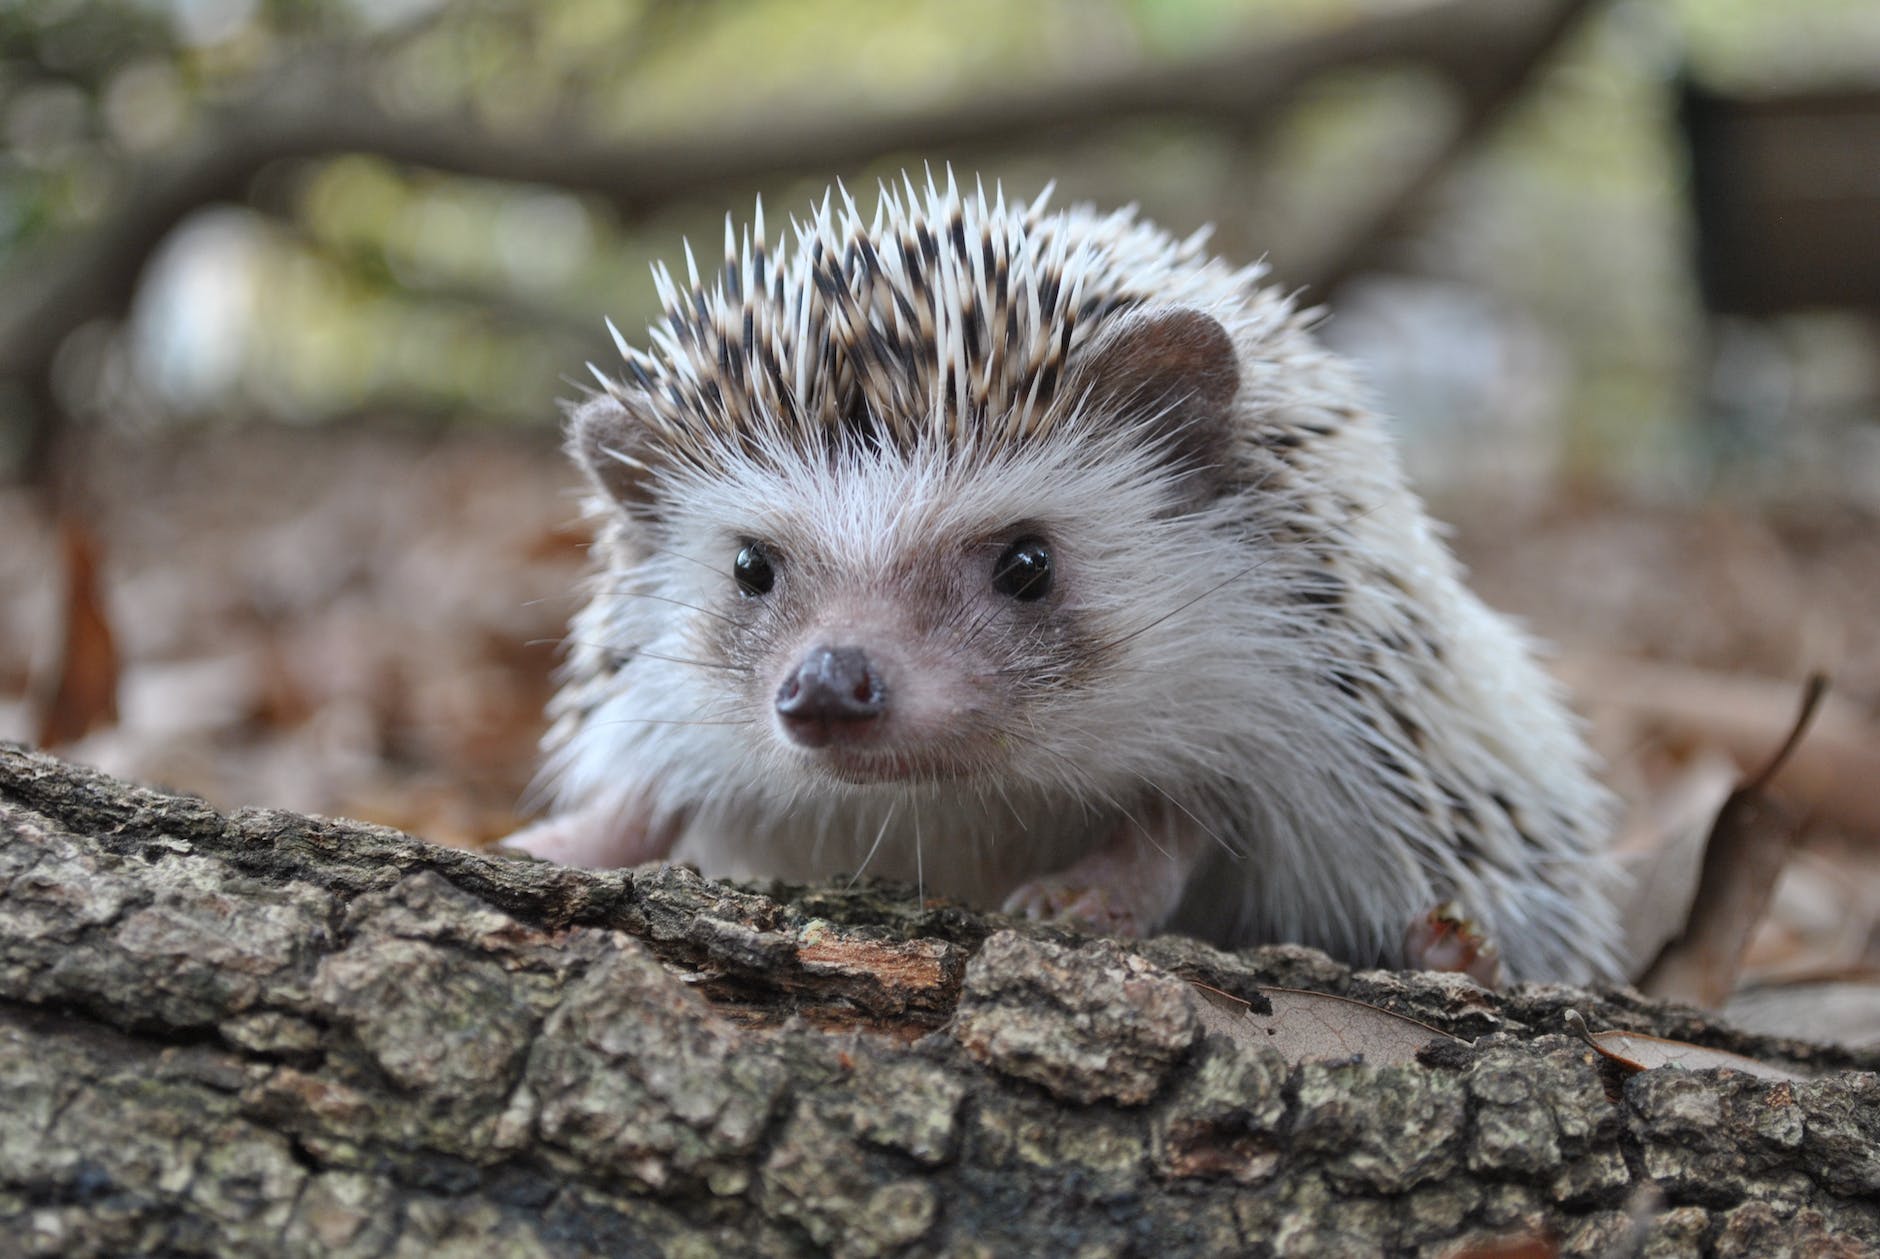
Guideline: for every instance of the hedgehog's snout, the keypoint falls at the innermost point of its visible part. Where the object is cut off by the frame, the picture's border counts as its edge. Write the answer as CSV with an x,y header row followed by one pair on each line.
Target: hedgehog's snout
x,y
833,694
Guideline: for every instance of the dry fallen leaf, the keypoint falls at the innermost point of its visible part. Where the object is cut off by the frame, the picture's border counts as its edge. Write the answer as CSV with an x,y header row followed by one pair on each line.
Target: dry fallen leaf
x,y
1635,1051
1746,850
1661,852
1307,1026
1824,919
1841,1011
1743,715
85,681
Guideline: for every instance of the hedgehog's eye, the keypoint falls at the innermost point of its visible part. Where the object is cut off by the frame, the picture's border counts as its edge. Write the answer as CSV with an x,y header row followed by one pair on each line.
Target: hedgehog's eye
x,y
753,570
1024,570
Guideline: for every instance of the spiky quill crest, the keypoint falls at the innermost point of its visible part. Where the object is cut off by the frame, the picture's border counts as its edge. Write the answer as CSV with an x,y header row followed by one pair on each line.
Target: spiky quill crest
x,y
1292,662
942,322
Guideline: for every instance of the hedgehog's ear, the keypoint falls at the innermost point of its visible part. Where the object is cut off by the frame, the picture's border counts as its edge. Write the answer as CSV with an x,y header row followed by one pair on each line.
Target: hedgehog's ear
x,y
1172,374
608,436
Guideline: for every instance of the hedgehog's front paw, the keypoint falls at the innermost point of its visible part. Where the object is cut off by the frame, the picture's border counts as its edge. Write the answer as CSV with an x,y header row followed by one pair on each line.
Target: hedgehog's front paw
x,y
1078,903
1447,939
569,840
595,838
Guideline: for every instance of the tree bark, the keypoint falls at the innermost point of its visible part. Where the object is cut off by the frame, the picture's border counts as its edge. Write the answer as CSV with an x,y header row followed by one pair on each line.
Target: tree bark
x,y
263,1033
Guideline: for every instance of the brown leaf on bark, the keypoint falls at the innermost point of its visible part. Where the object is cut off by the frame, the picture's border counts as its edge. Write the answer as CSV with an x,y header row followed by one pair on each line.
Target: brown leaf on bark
x,y
1747,848
1635,1051
1306,1026
1519,1246
83,693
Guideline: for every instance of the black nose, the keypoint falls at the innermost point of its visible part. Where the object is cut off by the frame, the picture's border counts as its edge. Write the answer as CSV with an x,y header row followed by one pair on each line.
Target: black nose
x,y
829,695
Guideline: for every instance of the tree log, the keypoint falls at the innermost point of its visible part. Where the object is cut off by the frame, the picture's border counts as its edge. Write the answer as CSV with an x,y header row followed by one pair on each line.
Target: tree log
x,y
262,1033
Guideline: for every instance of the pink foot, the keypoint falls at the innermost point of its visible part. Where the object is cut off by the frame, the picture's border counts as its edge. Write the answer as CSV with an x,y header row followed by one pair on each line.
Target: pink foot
x,y
595,838
1127,887
1062,898
1445,939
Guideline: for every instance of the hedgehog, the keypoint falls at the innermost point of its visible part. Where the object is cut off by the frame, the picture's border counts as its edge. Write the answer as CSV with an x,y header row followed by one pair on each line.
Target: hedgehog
x,y
1047,562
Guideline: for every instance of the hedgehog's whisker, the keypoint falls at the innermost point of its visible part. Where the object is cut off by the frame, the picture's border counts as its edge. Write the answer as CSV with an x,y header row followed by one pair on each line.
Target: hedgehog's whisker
x,y
1219,586
690,559
727,716
672,721
1090,784
1226,847
1004,795
980,626
678,603
1076,777
875,847
697,664
635,652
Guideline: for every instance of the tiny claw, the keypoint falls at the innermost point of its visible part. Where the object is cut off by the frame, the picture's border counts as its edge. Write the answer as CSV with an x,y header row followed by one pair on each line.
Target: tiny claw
x,y
1098,910
1446,939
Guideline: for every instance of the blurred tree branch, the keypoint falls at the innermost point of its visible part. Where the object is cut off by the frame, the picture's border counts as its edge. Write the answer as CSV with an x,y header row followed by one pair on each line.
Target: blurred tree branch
x,y
321,105
1491,84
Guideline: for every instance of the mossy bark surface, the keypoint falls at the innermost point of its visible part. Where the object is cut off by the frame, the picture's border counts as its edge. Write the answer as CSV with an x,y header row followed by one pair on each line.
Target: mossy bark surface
x,y
263,1033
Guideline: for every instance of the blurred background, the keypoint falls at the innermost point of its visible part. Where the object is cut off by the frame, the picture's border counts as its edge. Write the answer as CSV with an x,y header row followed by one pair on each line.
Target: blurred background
x,y
288,292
